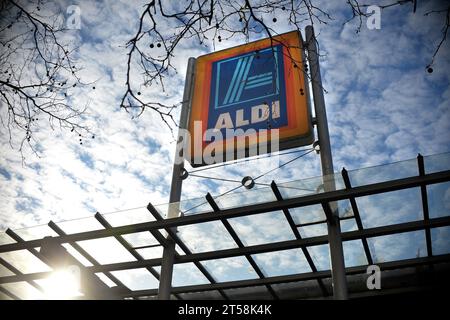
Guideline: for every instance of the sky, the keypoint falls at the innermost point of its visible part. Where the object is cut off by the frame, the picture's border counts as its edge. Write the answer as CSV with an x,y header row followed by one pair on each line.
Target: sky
x,y
382,104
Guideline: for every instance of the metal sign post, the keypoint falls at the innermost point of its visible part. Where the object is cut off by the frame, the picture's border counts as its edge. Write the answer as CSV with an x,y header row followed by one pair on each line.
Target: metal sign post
x,y
334,229
165,280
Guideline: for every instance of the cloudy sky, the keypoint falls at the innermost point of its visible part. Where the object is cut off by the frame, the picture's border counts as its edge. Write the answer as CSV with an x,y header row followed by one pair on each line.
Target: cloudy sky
x,y
383,106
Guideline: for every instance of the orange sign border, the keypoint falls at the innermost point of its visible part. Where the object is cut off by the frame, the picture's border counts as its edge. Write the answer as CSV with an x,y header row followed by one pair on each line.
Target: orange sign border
x,y
298,132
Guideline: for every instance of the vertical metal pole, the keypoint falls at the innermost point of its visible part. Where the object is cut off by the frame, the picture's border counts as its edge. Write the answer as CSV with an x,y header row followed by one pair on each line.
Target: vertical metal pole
x,y
334,229
165,280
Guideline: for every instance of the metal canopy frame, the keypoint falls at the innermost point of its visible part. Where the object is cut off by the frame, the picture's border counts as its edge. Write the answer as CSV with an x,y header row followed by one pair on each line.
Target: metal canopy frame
x,y
241,250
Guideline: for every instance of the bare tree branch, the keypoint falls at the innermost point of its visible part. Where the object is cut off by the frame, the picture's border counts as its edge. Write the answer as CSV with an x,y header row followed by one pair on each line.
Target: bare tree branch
x,y
444,33
37,74
359,11
163,28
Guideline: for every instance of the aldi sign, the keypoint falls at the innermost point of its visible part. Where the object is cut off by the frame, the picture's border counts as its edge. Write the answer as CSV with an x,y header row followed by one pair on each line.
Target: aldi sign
x,y
243,82
249,100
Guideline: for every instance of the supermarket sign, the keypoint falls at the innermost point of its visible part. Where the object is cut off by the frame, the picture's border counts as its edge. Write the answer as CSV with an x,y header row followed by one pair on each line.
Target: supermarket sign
x,y
249,100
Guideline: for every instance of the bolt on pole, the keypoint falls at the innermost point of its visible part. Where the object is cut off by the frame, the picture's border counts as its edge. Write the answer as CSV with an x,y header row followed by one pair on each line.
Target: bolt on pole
x,y
165,280
334,229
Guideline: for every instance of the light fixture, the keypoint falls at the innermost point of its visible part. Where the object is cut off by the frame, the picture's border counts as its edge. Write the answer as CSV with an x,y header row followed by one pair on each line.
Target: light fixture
x,y
70,279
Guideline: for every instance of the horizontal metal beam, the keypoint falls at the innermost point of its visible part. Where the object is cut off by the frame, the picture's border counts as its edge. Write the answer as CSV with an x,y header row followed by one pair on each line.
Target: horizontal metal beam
x,y
262,248
12,234
307,224
16,271
376,188
392,265
25,277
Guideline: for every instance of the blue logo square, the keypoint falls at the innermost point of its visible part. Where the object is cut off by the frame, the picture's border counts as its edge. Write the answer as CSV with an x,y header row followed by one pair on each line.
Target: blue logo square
x,y
247,80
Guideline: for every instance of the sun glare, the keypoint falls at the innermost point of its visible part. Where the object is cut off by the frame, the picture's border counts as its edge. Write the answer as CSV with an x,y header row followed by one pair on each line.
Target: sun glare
x,y
62,285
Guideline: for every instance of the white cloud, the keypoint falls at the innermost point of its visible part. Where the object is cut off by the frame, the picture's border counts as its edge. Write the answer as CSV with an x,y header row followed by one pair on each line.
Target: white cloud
x,y
382,107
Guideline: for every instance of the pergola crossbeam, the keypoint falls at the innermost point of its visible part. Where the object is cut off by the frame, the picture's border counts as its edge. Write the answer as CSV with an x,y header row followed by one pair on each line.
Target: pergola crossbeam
x,y
307,200
126,245
357,216
16,271
297,235
240,244
9,293
424,197
184,247
422,180
392,265
255,249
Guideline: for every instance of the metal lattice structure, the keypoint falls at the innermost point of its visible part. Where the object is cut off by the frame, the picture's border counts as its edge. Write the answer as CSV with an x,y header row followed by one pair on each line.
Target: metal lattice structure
x,y
265,243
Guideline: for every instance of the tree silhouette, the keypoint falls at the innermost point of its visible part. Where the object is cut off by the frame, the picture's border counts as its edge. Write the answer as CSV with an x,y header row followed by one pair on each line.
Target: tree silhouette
x,y
359,12
163,27
38,72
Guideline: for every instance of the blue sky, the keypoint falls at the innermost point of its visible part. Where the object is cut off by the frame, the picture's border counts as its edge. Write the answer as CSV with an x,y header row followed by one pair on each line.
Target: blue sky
x,y
382,107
